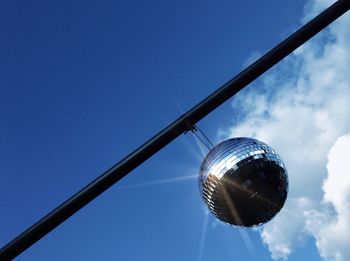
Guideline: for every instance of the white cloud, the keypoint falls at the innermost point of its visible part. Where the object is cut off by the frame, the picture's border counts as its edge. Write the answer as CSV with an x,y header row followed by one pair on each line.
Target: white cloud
x,y
301,108
280,241
255,55
332,230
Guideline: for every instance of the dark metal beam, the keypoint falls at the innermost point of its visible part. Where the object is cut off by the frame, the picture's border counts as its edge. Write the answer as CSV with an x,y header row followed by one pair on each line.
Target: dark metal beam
x,y
163,138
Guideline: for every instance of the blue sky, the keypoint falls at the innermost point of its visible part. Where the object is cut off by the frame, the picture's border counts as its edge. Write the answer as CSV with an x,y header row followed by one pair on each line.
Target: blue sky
x,y
83,83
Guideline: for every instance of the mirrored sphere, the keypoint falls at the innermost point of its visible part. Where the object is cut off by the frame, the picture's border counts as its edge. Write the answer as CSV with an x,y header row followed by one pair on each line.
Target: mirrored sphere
x,y
243,182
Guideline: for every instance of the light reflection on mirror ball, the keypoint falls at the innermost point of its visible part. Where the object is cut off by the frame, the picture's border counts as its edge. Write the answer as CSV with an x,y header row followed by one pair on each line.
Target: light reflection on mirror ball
x,y
243,182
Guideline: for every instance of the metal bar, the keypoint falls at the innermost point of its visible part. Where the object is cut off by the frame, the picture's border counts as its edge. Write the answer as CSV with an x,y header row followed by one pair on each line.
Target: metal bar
x,y
179,126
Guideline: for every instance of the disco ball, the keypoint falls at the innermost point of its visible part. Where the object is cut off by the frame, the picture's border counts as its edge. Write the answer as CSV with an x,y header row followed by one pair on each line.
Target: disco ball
x,y
243,182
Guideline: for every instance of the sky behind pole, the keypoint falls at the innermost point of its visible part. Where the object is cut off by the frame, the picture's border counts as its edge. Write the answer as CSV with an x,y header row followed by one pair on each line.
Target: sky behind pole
x,y
83,83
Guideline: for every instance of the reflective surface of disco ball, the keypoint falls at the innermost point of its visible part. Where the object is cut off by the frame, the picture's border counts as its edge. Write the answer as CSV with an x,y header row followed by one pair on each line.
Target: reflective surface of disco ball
x,y
243,182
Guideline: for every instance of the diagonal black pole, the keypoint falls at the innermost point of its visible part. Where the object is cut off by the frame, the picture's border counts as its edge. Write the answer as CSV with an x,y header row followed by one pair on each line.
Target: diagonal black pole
x,y
163,138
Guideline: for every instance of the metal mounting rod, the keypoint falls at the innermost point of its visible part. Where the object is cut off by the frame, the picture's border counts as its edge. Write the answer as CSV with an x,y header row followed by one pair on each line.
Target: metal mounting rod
x,y
179,126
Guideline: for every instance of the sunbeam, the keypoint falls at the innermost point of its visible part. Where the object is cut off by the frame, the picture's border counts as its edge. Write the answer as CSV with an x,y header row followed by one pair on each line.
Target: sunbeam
x,y
244,234
247,241
176,99
203,236
161,181
252,192
201,147
203,150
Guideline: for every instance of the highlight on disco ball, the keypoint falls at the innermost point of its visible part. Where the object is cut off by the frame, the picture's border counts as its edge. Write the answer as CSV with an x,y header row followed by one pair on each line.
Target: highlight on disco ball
x,y
243,182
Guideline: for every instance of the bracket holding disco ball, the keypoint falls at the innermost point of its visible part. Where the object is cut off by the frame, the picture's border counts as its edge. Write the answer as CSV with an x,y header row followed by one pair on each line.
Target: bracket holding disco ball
x,y
243,182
